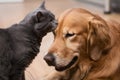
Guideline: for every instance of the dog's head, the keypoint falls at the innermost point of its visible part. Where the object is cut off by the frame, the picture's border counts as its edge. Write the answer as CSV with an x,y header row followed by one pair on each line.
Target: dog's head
x,y
80,35
41,19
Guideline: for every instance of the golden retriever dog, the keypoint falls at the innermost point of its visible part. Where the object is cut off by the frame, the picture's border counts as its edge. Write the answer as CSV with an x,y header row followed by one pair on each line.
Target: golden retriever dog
x,y
85,47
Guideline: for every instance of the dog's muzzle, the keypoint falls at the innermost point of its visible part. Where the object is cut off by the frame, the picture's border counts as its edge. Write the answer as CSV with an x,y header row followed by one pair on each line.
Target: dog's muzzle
x,y
62,68
50,60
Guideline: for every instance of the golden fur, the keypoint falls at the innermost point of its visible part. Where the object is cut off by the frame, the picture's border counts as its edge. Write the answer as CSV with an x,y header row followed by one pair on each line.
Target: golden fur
x,y
94,40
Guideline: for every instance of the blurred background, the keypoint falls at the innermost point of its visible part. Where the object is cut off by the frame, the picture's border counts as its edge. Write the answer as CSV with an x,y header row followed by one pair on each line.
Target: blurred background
x,y
13,11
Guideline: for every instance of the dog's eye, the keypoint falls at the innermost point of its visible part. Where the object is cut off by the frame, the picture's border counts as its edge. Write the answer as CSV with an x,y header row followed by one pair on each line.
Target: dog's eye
x,y
69,35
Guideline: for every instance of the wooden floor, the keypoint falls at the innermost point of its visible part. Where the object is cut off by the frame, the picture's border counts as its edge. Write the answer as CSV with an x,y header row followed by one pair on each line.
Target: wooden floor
x,y
11,13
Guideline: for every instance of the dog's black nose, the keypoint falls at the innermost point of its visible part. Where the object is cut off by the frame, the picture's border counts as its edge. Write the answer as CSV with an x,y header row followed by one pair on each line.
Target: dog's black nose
x,y
50,59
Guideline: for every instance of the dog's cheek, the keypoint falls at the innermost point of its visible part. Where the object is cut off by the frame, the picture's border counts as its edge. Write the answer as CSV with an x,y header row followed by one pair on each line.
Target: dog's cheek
x,y
72,45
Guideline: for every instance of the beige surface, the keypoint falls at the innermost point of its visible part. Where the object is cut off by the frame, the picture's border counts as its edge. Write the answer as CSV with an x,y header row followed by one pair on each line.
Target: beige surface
x,y
11,13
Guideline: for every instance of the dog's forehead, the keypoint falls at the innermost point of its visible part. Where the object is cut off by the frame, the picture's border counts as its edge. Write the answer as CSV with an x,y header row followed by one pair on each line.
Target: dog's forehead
x,y
75,12
74,20
72,26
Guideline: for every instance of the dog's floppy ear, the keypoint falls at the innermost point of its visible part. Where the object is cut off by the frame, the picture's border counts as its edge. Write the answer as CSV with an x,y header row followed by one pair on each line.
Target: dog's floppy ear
x,y
98,37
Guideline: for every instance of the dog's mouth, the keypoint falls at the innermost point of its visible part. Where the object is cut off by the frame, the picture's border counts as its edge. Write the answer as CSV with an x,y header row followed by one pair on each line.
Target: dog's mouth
x,y
62,68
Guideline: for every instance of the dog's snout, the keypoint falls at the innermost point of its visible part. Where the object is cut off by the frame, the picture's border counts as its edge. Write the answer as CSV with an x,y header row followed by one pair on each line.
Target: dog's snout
x,y
50,59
